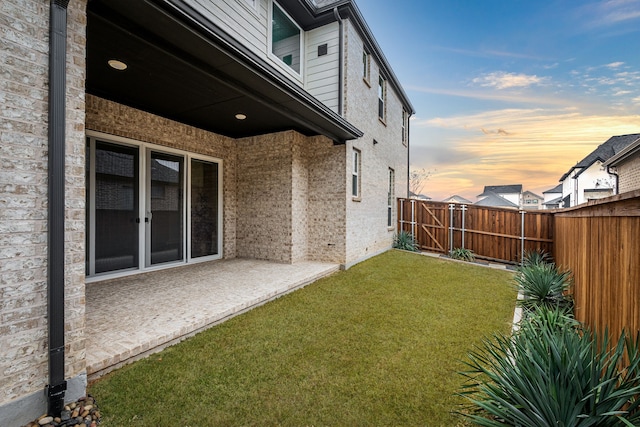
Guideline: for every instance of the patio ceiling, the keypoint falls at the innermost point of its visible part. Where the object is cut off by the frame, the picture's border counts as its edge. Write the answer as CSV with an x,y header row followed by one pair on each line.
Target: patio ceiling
x,y
180,66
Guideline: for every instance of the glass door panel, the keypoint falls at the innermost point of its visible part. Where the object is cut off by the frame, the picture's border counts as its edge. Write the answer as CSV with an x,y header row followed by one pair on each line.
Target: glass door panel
x,y
165,213
116,207
204,208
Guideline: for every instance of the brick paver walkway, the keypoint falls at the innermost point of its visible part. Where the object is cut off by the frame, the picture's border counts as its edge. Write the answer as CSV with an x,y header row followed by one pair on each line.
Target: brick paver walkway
x,y
129,318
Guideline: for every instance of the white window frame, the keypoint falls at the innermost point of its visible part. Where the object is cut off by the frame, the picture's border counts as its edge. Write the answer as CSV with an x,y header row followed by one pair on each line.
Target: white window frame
x,y
278,61
405,127
145,148
366,66
382,99
356,175
391,197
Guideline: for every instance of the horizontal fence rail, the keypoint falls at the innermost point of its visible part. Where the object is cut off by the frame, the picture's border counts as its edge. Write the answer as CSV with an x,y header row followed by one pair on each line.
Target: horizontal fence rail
x,y
494,234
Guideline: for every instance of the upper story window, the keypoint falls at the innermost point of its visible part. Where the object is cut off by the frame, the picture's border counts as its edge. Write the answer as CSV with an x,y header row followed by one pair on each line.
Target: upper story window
x,y
286,39
366,65
405,127
382,96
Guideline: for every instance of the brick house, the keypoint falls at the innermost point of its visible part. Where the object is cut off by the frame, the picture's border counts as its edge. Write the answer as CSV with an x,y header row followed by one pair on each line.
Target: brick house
x,y
626,166
158,133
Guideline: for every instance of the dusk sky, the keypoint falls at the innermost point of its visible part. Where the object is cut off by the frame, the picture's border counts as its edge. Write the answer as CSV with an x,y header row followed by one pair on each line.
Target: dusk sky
x,y
510,91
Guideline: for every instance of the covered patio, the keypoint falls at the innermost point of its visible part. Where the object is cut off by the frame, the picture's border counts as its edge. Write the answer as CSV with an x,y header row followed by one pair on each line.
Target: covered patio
x,y
131,317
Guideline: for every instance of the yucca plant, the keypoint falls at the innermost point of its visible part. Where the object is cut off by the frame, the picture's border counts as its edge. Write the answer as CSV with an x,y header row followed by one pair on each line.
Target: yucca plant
x,y
544,285
537,257
462,254
553,373
405,241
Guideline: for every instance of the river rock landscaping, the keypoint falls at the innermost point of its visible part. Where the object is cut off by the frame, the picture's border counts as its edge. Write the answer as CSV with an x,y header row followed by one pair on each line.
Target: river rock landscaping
x,y
83,412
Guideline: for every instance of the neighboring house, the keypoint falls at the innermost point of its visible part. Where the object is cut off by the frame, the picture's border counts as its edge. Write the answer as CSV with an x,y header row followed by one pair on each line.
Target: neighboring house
x,y
496,200
626,166
457,199
413,195
589,179
512,193
194,130
531,200
553,197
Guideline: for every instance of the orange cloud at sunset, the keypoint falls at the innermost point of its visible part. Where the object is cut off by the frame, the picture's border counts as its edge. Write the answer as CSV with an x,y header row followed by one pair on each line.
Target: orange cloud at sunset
x,y
533,147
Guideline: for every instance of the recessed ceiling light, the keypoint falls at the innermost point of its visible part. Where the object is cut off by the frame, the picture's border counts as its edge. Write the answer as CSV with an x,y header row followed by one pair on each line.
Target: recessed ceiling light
x,y
117,65
241,116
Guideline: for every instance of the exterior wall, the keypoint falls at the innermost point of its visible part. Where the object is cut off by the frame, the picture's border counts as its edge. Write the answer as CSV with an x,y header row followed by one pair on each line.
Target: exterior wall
x,y
119,120
629,175
530,201
265,197
24,55
512,197
595,177
290,198
321,77
367,231
238,18
326,200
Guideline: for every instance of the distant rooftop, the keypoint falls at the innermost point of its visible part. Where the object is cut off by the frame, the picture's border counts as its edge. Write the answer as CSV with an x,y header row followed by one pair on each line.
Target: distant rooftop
x,y
606,150
501,189
492,199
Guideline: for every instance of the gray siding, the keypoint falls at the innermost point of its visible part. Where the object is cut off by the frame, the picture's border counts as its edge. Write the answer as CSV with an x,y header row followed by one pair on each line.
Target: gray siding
x,y
239,19
322,71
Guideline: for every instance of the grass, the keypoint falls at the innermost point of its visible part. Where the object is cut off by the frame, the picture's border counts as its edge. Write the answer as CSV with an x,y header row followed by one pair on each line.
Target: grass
x,y
378,344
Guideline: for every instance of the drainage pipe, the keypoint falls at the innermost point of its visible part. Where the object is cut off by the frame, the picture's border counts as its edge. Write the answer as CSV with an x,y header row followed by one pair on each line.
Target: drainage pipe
x,y
57,108
340,58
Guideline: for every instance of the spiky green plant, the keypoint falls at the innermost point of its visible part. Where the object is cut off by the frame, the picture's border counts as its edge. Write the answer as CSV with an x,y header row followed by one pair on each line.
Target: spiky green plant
x,y
405,241
544,285
463,254
552,373
537,257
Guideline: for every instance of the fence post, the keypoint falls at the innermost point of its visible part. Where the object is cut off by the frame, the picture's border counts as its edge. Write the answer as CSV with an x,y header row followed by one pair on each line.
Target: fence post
x,y
413,219
522,237
401,216
463,208
451,208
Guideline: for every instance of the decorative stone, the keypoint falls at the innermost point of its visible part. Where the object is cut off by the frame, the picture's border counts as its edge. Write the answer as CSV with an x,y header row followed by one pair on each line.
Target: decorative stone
x,y
45,420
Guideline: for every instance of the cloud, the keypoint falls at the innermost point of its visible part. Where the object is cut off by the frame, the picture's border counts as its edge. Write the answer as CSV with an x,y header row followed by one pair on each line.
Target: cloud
x,y
537,99
539,146
615,65
503,80
495,132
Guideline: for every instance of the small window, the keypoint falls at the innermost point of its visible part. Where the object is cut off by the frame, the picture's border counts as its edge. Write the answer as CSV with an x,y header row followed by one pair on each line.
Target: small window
x,y
366,61
390,197
405,127
355,175
286,39
382,95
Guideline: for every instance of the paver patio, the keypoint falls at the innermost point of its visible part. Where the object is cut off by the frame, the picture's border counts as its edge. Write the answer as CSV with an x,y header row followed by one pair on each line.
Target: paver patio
x,y
131,317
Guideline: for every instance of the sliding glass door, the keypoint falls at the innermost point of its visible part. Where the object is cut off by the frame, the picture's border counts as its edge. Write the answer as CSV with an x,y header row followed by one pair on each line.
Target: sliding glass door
x,y
148,207
165,208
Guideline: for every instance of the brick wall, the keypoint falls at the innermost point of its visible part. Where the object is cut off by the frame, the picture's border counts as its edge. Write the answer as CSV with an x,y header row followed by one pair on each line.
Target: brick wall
x,y
367,231
326,200
24,30
629,173
265,197
119,120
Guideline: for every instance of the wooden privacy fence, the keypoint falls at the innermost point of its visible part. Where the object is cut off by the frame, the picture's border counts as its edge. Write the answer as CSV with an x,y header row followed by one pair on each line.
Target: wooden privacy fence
x,y
496,234
600,244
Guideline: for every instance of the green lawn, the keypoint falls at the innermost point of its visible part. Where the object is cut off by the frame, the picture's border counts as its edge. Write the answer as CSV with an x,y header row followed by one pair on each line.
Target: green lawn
x,y
379,344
